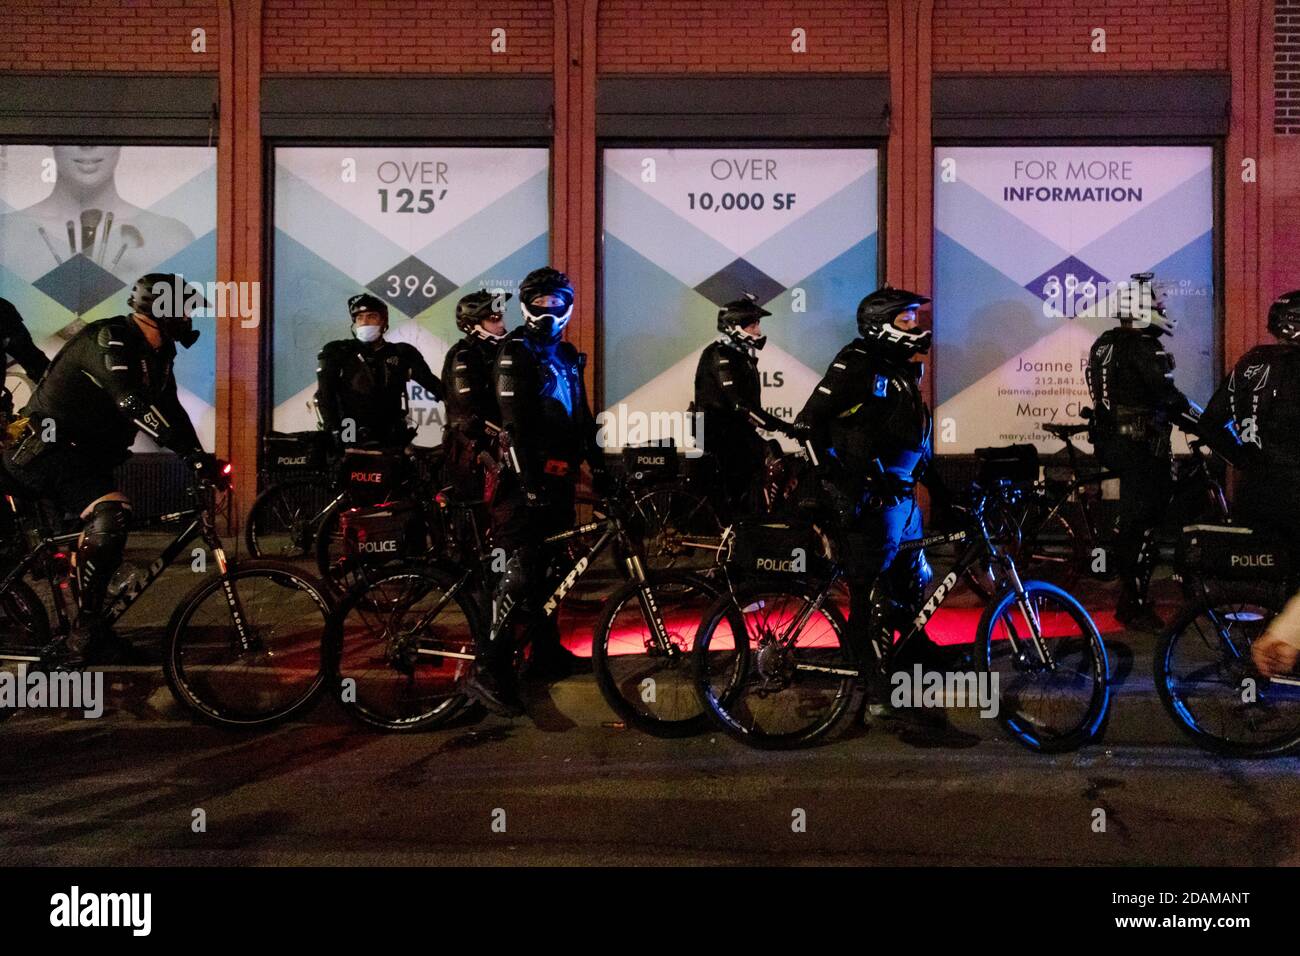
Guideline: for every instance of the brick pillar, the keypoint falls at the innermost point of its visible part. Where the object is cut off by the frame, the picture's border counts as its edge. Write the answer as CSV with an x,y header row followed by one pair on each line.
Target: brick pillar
x,y
909,202
239,242
1248,207
573,169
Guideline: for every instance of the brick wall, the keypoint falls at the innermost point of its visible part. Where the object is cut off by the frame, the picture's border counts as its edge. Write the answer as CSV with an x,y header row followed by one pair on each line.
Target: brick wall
x,y
1040,36
406,36
1286,215
1286,65
128,36
717,36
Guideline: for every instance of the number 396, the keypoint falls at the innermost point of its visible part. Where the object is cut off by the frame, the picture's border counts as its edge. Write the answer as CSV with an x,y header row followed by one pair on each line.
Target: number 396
x,y
397,284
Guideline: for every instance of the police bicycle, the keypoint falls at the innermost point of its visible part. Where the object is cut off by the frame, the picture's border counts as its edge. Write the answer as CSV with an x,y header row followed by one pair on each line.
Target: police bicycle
x,y
244,648
403,639
776,665
1059,527
1238,579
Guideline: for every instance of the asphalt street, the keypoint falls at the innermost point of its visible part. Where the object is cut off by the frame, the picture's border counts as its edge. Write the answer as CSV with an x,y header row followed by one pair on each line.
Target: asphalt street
x,y
567,785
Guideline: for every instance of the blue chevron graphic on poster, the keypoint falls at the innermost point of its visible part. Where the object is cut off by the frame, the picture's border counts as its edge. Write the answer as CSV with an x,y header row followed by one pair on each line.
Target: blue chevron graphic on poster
x,y
419,227
686,230
1028,243
78,226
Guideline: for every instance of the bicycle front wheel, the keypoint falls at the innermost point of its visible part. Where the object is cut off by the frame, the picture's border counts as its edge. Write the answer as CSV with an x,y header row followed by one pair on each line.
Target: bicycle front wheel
x,y
400,646
774,670
247,649
647,675
1051,678
1209,686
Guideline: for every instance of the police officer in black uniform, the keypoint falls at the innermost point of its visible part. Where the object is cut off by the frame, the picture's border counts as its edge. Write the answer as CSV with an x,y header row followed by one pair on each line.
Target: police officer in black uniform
x,y
1260,403
551,431
361,381
868,416
112,379
1131,381
16,343
473,418
729,395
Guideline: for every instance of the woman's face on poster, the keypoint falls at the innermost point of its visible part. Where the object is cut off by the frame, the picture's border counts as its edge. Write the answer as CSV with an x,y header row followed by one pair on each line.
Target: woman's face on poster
x,y
88,167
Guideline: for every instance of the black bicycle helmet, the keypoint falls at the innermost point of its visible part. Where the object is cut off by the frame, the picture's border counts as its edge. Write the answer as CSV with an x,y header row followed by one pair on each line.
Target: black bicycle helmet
x,y
478,307
365,302
735,315
876,314
169,300
546,322
1284,317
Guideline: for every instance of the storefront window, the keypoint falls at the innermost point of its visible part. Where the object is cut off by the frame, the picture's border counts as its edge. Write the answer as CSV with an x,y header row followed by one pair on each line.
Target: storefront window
x,y
78,226
686,230
417,226
1028,242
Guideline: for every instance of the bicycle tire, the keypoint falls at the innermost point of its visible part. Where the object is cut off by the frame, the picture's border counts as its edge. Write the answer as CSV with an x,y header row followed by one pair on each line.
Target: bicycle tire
x,y
272,514
183,638
1026,729
613,687
1176,705
360,705
726,709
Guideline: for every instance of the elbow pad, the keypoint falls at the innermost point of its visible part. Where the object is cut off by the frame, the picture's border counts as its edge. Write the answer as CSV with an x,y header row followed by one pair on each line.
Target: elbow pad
x,y
147,418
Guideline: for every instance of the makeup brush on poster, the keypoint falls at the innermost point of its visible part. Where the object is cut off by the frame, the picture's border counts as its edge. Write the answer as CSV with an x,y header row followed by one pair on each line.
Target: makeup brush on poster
x,y
72,238
90,219
103,239
49,245
131,239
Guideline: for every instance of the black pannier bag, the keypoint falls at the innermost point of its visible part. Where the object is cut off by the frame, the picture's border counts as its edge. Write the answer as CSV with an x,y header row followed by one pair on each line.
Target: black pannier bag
x,y
393,530
1017,464
1231,553
651,463
759,545
371,476
294,452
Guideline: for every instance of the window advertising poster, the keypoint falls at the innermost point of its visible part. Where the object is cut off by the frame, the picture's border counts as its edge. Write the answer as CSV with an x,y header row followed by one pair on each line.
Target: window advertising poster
x,y
686,230
417,226
1031,245
78,226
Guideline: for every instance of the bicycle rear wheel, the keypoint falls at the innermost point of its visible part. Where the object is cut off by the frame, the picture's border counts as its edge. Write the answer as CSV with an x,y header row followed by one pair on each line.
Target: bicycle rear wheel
x,y
403,642
651,686
671,516
283,520
1211,689
1056,698
247,649
769,680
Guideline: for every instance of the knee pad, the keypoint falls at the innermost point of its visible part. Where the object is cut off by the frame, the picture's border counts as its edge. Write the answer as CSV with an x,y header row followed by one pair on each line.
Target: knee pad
x,y
100,551
106,529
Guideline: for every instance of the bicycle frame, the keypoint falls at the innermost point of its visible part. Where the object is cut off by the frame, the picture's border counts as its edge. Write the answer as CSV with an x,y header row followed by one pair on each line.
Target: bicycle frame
x,y
980,547
200,527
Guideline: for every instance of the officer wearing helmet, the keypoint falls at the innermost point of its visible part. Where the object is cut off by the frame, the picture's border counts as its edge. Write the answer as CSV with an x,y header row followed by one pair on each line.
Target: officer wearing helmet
x,y
869,419
550,429
728,396
1259,405
362,380
473,418
112,379
1131,380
